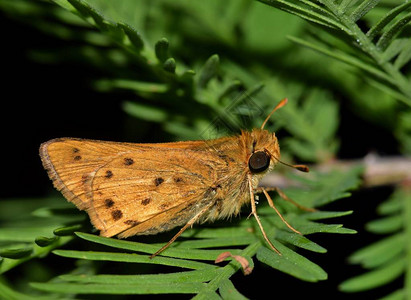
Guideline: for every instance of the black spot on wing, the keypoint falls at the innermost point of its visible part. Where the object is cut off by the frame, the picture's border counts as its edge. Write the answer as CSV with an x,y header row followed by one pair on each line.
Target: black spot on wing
x,y
145,201
158,181
132,222
116,214
128,161
108,203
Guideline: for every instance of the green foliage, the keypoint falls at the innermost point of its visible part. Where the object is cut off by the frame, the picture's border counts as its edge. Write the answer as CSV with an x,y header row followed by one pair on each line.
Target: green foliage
x,y
188,66
313,134
199,247
387,259
379,43
31,234
379,47
27,233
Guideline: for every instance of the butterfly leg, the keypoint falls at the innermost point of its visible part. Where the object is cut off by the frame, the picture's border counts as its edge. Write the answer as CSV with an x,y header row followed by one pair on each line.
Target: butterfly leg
x,y
257,218
271,203
189,223
284,196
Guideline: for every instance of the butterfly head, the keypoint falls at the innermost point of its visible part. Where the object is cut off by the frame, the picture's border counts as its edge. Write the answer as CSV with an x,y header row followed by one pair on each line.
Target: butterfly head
x,y
264,153
263,150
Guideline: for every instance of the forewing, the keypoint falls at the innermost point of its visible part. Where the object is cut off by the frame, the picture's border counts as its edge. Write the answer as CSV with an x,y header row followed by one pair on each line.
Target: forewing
x,y
131,188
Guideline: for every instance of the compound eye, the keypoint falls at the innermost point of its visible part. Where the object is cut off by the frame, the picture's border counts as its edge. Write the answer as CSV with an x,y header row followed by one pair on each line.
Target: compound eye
x,y
259,162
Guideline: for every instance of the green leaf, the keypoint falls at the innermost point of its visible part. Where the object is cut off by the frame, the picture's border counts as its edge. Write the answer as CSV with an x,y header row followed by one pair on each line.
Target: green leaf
x,y
43,241
311,227
397,295
67,230
406,213
139,87
237,231
380,252
228,291
393,49
388,90
120,289
131,258
311,12
88,12
7,292
299,241
161,49
313,134
363,9
385,225
145,112
133,36
349,59
16,234
16,253
320,215
201,275
375,278
387,258
218,242
208,71
393,205
345,5
334,185
146,248
170,65
393,31
376,29
29,253
405,55
65,214
207,295
291,263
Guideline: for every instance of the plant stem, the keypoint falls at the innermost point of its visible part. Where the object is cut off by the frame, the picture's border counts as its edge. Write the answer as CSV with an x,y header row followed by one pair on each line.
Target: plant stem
x,y
377,171
228,271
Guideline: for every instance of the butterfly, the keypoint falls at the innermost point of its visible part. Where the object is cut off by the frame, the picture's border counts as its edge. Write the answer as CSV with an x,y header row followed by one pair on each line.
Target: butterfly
x,y
142,189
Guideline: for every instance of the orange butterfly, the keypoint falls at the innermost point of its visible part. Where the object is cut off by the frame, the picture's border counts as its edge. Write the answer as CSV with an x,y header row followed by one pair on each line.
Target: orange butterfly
x,y
138,189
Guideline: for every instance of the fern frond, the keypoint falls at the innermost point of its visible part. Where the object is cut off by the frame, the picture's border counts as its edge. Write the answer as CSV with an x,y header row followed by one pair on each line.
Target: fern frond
x,y
379,26
31,235
344,16
387,259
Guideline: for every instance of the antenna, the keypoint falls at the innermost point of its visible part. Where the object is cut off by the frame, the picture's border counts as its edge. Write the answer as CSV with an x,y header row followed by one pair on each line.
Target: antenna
x,y
279,105
302,168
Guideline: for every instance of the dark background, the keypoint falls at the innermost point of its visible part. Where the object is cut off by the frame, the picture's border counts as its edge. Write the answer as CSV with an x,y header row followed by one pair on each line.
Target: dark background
x,y
44,101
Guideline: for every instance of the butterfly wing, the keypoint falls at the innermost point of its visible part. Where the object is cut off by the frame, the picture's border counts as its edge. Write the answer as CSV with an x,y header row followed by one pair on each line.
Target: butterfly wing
x,y
130,189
